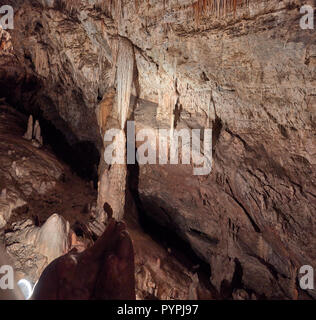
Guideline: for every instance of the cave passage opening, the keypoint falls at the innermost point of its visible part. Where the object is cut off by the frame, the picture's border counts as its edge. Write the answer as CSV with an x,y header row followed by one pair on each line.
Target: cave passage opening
x,y
25,96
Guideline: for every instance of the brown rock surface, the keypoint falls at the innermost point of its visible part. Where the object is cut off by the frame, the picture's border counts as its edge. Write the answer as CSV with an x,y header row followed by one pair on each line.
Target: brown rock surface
x,y
24,170
33,186
33,248
33,236
103,272
250,76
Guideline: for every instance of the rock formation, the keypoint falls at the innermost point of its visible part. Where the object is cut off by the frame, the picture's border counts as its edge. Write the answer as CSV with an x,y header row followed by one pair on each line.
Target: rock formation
x,y
5,42
34,133
37,134
29,132
33,248
246,71
8,294
34,236
103,272
24,171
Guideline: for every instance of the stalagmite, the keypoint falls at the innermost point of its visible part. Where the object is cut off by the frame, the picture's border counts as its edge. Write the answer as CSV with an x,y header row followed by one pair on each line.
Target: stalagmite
x,y
29,133
34,133
112,187
112,183
35,130
193,287
52,239
37,133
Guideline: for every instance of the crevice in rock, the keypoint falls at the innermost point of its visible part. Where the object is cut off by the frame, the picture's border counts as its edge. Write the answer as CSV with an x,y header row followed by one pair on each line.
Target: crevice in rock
x,y
253,223
204,236
227,288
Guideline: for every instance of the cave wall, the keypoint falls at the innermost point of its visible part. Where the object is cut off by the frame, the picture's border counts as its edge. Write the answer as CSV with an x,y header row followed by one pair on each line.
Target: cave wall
x,y
248,75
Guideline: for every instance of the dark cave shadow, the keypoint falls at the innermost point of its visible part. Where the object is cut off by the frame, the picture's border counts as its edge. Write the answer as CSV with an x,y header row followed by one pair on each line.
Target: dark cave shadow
x,y
167,237
81,156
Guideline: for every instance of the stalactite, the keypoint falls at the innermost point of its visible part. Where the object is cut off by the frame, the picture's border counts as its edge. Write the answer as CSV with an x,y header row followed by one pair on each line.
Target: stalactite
x,y
200,7
216,7
125,70
114,7
203,7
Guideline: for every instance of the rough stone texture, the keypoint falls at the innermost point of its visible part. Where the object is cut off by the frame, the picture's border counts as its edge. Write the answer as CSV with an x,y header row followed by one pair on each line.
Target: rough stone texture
x,y
33,185
15,294
248,76
5,42
33,248
252,79
103,272
25,170
159,275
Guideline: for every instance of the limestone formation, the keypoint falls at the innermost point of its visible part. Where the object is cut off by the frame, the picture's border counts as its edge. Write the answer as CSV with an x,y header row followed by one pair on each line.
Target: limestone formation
x,y
246,69
33,133
103,272
125,74
33,248
29,132
112,176
23,171
37,133
52,240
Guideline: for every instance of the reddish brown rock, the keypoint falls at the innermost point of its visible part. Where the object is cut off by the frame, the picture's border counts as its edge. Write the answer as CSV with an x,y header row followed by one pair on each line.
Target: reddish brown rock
x,y
104,271
248,75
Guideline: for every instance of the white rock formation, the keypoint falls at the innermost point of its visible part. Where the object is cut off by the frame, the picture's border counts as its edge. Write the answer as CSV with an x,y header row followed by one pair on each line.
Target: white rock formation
x,y
33,248
52,238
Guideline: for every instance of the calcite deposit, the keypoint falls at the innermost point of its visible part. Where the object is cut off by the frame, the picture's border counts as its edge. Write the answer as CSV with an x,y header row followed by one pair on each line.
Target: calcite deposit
x,y
244,69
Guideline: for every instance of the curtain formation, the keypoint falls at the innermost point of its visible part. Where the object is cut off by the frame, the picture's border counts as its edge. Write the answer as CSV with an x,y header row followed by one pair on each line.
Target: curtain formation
x,y
199,7
125,71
